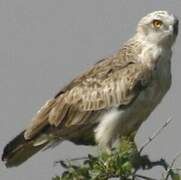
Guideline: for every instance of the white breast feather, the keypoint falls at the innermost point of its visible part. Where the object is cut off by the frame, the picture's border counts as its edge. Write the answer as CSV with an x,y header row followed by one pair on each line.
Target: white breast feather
x,y
107,127
113,122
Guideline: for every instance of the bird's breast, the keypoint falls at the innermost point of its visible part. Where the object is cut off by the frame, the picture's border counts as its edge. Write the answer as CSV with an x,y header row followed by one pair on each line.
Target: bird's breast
x,y
124,120
147,100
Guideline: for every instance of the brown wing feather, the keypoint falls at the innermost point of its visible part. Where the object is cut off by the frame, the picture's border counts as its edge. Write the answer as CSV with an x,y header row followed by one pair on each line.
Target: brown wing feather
x,y
40,120
117,88
110,82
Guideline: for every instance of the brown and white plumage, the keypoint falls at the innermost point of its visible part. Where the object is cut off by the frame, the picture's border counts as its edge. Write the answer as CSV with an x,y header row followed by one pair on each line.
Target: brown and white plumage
x,y
109,100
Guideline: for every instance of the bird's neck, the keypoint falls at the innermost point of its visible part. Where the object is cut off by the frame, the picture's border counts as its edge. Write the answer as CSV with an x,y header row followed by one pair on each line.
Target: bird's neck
x,y
161,44
150,53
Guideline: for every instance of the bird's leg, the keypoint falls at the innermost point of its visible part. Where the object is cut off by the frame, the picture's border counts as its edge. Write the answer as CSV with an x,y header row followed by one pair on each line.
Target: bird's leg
x,y
146,163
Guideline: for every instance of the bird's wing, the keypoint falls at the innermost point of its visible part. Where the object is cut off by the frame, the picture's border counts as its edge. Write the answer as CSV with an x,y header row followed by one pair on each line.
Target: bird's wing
x,y
111,82
119,87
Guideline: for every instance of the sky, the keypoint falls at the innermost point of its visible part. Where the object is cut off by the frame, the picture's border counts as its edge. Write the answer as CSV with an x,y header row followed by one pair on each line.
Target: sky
x,y
44,44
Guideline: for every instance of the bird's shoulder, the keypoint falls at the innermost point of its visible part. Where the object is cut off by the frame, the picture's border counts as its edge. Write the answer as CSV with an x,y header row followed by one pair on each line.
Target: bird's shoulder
x,y
106,67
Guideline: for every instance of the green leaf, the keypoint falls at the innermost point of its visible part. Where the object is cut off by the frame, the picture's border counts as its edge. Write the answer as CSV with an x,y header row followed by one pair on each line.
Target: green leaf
x,y
121,163
127,167
176,176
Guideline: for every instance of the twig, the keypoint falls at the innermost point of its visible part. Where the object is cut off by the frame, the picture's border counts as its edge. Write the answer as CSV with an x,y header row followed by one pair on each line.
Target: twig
x,y
73,159
78,159
170,171
155,134
144,177
177,169
175,159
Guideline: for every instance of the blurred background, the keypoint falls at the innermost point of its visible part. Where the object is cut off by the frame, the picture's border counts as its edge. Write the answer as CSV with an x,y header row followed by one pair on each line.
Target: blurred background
x,y
44,44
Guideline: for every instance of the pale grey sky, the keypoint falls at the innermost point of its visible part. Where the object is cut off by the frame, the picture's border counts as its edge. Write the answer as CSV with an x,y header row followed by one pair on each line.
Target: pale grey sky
x,y
44,44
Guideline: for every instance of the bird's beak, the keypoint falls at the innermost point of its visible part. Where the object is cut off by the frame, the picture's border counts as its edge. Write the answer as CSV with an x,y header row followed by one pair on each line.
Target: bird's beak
x,y
175,27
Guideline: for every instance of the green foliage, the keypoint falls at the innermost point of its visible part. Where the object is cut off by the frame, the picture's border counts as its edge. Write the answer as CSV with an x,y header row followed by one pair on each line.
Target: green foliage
x,y
123,162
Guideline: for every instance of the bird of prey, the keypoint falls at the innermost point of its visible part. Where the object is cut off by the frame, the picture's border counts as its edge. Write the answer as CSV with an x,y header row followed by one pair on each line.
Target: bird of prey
x,y
109,100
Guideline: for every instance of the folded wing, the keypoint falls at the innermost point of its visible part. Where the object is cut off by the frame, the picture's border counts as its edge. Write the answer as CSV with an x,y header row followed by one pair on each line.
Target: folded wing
x,y
102,87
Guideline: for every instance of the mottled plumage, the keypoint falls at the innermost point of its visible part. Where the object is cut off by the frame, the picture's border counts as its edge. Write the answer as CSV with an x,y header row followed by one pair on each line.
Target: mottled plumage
x,y
112,98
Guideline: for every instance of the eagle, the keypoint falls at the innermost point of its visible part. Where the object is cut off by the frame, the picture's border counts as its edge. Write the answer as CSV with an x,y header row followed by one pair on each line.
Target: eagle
x,y
109,100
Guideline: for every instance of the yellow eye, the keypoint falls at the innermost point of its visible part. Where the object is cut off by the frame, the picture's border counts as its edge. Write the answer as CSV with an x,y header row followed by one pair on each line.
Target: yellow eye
x,y
157,23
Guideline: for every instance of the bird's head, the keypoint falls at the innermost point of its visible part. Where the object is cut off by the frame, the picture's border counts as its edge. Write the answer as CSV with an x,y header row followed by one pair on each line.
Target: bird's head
x,y
159,27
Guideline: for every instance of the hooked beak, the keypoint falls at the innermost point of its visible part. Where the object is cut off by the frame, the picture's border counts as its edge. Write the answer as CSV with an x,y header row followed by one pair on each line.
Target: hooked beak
x,y
175,27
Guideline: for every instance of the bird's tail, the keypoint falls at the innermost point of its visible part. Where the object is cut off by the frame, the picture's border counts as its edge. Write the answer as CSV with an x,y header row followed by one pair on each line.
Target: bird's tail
x,y
19,150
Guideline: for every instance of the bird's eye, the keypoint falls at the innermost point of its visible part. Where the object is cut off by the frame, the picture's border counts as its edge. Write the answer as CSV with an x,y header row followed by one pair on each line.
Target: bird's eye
x,y
157,23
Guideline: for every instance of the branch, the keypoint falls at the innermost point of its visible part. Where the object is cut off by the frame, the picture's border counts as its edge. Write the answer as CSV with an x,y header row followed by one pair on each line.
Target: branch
x,y
155,134
70,160
143,177
123,162
175,159
170,171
